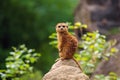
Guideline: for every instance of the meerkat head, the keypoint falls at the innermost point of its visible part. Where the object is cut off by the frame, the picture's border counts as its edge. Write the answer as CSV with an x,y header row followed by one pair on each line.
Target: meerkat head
x,y
62,27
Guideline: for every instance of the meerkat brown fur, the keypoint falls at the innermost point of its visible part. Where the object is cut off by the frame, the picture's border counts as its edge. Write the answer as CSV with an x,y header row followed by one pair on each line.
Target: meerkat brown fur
x,y
67,43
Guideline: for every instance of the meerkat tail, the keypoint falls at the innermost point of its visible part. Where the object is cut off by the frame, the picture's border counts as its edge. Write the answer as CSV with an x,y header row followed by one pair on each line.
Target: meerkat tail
x,y
77,63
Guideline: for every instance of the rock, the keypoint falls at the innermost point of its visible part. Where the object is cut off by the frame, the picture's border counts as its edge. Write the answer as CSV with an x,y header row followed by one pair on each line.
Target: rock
x,y
65,70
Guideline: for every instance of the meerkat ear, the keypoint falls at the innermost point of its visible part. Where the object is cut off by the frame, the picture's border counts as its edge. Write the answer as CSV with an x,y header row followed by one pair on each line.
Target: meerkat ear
x,y
67,26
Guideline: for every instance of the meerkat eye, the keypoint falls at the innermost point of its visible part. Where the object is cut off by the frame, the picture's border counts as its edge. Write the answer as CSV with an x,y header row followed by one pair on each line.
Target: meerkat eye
x,y
63,26
67,26
58,26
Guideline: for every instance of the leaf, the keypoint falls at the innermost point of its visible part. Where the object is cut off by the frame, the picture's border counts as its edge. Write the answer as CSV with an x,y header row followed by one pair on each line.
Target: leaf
x,y
77,24
71,27
113,50
12,53
53,42
36,55
10,58
3,70
32,60
84,26
27,56
53,36
31,50
84,58
90,65
22,46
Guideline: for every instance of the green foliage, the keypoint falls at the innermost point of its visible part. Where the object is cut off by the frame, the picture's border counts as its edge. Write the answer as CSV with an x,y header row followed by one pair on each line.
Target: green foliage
x,y
111,76
36,75
53,42
19,62
94,47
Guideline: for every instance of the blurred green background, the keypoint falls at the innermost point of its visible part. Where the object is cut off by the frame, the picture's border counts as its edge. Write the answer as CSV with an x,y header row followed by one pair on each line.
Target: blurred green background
x,y
30,22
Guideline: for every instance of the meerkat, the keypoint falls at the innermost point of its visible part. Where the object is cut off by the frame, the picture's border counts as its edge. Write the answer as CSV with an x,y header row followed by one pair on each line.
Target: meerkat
x,y
67,43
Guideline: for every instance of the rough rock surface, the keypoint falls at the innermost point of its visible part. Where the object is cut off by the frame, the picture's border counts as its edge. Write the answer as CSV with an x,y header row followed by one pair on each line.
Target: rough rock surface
x,y
65,70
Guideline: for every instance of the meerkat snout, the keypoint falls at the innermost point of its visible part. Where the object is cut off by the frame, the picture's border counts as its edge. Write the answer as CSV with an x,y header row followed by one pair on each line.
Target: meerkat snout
x,y
61,28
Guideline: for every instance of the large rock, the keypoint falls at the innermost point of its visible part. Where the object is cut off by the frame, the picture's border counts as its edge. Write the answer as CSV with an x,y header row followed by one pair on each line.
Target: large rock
x,y
65,70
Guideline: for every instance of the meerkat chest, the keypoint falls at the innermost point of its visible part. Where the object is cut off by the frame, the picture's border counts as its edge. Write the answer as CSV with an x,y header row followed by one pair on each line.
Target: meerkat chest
x,y
67,39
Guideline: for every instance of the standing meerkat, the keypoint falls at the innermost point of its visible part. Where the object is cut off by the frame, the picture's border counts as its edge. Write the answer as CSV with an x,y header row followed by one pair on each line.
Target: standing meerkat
x,y
67,43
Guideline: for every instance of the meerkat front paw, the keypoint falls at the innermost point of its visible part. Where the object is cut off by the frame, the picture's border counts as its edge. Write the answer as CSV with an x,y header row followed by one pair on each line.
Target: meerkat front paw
x,y
60,50
62,58
57,59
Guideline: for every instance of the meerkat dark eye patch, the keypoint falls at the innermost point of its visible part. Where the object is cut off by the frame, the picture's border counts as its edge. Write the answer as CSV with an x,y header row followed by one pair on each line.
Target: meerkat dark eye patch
x,y
63,26
59,26
67,26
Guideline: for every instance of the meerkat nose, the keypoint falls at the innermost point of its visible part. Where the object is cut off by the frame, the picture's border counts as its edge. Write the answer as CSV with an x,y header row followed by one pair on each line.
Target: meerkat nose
x,y
61,28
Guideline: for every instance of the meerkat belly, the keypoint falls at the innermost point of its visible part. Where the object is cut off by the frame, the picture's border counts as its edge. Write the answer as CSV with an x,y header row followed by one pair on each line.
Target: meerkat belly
x,y
67,49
